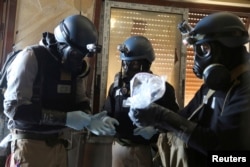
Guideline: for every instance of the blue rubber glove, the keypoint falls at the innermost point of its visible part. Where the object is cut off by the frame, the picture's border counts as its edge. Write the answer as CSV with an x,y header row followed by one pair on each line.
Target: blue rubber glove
x,y
111,122
98,126
77,120
146,132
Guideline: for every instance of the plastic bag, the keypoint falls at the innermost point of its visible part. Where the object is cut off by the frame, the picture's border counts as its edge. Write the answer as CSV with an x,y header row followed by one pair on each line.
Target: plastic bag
x,y
145,88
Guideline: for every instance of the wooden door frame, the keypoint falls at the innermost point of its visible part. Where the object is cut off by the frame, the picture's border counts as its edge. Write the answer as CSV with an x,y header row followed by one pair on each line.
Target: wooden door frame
x,y
8,19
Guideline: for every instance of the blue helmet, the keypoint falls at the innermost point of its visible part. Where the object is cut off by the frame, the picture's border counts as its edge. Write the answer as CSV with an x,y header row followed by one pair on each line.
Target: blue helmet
x,y
76,31
137,48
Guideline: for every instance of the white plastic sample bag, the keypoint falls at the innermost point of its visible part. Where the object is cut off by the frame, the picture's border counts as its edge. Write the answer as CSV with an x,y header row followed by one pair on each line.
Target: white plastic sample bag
x,y
145,88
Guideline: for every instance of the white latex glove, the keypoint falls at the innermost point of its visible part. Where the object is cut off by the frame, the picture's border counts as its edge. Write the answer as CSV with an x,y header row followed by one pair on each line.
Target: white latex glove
x,y
146,132
111,122
77,120
98,126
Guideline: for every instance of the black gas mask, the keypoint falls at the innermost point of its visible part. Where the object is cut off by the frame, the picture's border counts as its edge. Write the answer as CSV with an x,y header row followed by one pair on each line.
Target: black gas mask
x,y
209,62
218,41
208,65
132,67
73,60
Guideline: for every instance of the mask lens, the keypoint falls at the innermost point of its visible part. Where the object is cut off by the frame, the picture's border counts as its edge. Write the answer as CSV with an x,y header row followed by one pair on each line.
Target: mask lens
x,y
203,50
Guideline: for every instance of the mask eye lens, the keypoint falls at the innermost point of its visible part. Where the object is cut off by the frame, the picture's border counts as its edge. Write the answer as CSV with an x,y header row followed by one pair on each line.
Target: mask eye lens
x,y
130,65
203,50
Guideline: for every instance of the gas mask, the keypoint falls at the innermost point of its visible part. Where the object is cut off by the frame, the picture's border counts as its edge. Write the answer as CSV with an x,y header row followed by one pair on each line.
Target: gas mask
x,y
132,67
72,58
208,59
208,65
137,55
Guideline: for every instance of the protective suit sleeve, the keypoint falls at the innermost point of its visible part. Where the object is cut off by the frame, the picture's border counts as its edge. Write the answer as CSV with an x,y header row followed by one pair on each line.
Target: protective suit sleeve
x,y
163,119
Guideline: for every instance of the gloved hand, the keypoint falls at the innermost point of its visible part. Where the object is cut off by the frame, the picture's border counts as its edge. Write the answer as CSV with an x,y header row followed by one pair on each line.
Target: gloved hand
x,y
77,120
144,117
111,122
99,127
146,132
163,119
